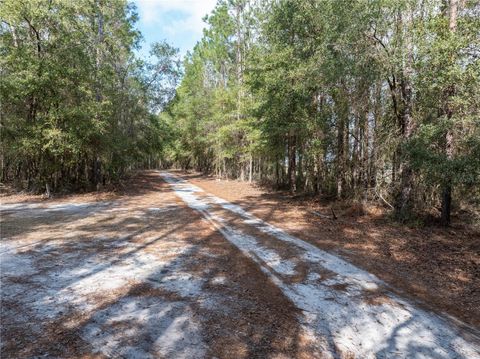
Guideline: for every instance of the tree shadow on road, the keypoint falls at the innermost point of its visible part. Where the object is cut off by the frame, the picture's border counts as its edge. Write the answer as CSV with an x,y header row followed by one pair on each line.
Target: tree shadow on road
x,y
161,284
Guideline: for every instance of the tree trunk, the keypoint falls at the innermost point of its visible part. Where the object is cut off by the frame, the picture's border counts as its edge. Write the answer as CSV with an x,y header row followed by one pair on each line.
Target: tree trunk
x,y
446,204
404,200
365,155
277,173
447,190
292,162
97,163
355,154
250,173
318,174
340,166
373,155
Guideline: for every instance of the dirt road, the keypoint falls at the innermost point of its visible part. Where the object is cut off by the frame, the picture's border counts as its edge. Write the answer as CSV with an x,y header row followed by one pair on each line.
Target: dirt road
x,y
171,271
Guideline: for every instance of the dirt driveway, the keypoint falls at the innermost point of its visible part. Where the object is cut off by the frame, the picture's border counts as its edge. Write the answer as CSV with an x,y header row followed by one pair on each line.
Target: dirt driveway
x,y
170,271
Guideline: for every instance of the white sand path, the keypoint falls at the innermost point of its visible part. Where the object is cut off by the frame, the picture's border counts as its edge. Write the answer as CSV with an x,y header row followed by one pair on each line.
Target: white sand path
x,y
342,318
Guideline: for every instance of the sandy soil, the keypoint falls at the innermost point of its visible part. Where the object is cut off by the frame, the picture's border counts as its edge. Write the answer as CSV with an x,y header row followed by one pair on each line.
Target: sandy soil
x,y
170,271
140,275
349,312
438,267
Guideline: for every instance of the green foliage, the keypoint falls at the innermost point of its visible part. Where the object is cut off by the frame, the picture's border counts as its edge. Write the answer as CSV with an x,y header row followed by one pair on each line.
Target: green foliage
x,y
353,98
76,104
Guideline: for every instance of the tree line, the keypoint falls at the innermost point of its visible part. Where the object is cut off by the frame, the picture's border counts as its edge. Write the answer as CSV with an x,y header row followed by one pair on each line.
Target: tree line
x,y
364,100
78,107
356,100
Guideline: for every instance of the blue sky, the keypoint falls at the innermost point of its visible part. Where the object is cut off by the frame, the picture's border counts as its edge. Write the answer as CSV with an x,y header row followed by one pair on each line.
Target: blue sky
x,y
177,21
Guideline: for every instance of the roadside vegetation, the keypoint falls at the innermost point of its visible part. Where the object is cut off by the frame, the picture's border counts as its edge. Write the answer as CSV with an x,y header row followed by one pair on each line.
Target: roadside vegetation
x,y
352,100
78,107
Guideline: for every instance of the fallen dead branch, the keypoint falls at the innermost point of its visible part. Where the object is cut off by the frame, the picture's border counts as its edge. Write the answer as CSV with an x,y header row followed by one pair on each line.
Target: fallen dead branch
x,y
383,200
318,214
333,213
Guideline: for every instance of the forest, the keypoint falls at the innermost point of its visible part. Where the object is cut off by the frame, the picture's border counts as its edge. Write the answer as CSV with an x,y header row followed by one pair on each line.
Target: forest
x,y
240,179
349,100
372,100
78,106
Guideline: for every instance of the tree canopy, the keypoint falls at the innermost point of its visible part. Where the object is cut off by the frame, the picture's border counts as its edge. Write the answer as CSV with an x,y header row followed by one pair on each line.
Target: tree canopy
x,y
349,99
78,107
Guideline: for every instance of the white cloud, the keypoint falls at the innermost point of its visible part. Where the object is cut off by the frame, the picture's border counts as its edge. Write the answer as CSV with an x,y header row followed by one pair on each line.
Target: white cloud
x,y
152,12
